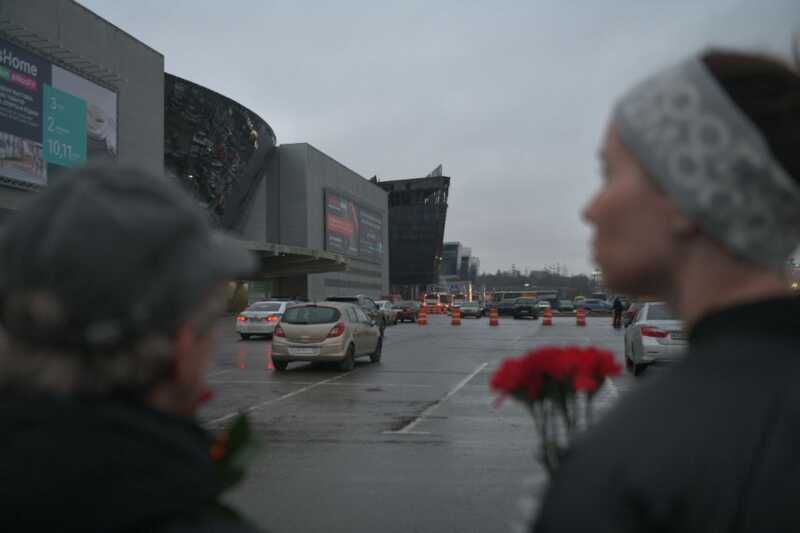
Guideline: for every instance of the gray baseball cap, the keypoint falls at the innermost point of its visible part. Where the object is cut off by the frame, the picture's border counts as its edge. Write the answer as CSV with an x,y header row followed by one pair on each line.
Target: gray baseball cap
x,y
106,255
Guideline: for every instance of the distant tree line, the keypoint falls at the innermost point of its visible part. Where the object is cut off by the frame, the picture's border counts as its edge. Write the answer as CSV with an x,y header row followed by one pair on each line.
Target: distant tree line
x,y
515,280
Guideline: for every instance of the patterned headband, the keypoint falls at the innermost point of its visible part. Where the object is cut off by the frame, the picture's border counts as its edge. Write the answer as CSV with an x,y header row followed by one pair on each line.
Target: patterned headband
x,y
707,155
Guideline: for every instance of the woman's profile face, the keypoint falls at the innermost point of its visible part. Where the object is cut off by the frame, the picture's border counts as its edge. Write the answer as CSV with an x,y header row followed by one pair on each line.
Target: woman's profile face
x,y
634,243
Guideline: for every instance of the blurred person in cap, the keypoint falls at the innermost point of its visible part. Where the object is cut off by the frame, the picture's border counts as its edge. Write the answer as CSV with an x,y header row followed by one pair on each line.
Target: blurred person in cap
x,y
700,206
111,281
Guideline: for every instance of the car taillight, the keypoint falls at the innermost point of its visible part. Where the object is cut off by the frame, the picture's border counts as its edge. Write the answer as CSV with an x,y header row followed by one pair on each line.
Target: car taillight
x,y
336,331
650,331
272,318
241,318
279,332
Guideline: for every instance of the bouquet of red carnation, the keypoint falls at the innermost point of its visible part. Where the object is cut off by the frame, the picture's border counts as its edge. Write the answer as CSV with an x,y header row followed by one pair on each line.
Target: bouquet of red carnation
x,y
558,385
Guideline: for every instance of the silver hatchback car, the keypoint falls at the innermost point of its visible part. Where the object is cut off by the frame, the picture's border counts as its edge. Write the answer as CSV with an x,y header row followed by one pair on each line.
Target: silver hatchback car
x,y
327,331
655,334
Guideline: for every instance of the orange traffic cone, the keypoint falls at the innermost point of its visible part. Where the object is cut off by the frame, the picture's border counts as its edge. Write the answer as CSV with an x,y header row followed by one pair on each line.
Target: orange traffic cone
x,y
422,316
548,317
580,317
493,321
456,317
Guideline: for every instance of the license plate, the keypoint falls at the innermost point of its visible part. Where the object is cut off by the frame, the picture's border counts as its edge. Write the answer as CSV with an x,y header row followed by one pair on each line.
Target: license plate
x,y
303,351
678,336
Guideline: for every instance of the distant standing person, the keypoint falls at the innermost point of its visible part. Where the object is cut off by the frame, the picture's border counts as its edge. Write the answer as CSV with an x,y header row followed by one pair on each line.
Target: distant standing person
x,y
111,283
617,308
707,153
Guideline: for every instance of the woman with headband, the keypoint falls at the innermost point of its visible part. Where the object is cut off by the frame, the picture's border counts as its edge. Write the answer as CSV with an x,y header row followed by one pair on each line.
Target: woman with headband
x,y
701,206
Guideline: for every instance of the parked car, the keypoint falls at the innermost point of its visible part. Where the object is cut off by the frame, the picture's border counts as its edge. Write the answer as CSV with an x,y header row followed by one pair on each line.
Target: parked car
x,y
328,331
566,305
260,318
471,309
541,305
388,310
407,311
630,312
488,306
505,308
367,305
525,307
591,305
655,334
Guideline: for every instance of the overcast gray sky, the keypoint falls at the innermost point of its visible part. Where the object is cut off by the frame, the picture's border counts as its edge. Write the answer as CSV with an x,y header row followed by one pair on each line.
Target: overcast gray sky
x,y
511,97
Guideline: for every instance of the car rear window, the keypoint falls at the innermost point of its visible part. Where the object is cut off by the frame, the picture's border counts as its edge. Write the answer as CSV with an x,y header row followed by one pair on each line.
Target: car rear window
x,y
311,315
264,307
660,312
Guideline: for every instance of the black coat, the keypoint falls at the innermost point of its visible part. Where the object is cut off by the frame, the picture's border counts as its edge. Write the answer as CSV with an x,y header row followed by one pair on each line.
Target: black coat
x,y
67,465
711,445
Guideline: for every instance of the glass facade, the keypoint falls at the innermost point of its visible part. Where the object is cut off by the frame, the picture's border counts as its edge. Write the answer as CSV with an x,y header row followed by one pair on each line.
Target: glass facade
x,y
215,147
417,212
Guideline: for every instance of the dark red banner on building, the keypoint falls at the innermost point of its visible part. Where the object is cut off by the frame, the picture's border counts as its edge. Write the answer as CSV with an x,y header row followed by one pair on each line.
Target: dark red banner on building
x,y
353,230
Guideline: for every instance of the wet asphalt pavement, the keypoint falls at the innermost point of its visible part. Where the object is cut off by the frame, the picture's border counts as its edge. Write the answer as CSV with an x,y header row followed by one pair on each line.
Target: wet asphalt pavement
x,y
413,443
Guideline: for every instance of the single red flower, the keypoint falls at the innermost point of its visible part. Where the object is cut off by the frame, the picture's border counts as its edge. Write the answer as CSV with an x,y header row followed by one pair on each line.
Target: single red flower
x,y
220,447
584,382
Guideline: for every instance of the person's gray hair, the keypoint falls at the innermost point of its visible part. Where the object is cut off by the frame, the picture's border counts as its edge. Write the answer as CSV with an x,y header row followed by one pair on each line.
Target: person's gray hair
x,y
135,369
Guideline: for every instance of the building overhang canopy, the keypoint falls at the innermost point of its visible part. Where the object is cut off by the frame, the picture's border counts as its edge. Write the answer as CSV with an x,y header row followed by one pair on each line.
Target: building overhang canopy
x,y
281,260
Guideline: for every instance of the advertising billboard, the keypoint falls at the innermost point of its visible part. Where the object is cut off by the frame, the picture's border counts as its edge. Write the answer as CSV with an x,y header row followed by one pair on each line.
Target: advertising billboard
x,y
50,118
352,229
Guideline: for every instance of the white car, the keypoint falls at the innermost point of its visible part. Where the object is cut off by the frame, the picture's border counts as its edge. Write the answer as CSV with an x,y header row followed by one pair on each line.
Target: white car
x,y
260,318
541,305
388,310
655,334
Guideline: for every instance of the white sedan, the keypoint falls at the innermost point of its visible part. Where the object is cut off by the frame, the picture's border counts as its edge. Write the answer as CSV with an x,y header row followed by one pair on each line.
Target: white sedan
x,y
655,334
388,310
260,318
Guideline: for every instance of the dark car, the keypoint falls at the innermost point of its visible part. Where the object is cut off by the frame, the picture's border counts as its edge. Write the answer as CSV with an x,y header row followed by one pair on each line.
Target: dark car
x,y
406,311
505,308
367,304
525,308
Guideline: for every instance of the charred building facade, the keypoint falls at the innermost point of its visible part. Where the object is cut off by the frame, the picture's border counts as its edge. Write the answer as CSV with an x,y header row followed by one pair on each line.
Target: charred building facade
x,y
217,148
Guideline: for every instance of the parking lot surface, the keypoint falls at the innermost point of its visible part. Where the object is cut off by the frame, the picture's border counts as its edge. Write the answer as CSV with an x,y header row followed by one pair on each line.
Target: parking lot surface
x,y
416,442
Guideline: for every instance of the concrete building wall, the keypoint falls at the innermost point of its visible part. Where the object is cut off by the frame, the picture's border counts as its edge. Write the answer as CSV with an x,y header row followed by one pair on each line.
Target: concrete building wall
x,y
305,173
121,63
254,226
293,191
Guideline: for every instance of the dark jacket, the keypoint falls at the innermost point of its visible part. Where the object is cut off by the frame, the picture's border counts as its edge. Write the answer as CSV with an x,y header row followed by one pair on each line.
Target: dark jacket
x,y
712,445
67,465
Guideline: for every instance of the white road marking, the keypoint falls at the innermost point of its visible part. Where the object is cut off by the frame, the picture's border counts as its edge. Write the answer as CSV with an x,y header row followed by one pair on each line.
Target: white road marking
x,y
258,406
612,387
411,425
220,373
